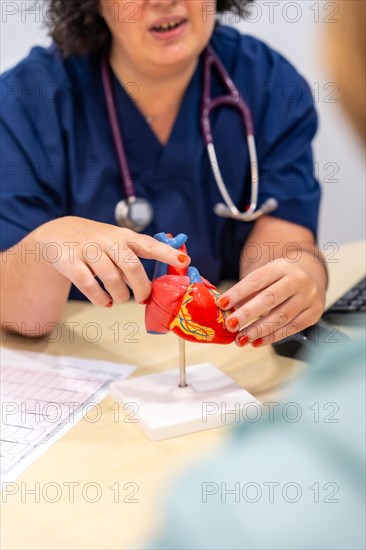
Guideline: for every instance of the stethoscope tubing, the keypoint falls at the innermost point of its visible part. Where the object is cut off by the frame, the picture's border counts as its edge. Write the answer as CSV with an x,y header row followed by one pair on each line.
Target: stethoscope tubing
x,y
232,99
128,185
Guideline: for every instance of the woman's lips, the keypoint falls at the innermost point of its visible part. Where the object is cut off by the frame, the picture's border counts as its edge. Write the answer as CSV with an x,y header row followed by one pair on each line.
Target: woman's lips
x,y
168,29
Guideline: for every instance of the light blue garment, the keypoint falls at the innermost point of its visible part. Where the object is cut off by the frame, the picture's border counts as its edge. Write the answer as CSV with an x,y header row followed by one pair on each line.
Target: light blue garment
x,y
317,461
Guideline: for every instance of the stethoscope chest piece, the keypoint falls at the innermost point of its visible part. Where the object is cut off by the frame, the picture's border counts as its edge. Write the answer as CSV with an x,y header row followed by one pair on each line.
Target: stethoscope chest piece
x,y
134,213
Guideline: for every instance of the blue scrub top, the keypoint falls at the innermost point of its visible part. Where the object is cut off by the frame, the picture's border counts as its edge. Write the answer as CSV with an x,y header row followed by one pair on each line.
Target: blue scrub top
x,y
58,156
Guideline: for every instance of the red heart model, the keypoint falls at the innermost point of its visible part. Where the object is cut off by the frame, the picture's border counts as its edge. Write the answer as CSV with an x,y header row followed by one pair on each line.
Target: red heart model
x,y
185,303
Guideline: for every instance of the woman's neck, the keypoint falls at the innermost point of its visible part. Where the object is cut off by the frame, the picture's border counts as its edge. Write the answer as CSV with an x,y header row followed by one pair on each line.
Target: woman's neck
x,y
157,93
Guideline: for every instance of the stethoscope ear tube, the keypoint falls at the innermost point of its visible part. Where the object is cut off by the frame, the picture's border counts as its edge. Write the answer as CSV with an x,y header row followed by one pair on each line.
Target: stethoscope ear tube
x,y
228,209
219,180
234,100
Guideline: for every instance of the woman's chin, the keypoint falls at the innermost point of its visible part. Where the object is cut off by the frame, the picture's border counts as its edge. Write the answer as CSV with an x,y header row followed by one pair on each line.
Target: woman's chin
x,y
174,55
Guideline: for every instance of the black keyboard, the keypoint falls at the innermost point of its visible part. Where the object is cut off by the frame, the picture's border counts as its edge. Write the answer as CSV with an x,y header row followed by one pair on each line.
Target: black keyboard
x,y
298,345
354,301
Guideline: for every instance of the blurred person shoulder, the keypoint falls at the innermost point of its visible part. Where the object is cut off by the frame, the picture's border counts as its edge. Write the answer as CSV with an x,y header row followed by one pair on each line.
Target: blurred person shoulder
x,y
316,435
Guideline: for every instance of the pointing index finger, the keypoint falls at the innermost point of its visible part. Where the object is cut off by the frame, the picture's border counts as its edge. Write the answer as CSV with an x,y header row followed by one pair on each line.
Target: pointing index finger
x,y
164,248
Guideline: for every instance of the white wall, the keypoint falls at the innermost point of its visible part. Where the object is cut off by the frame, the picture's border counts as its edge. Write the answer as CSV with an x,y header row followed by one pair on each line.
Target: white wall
x,y
295,29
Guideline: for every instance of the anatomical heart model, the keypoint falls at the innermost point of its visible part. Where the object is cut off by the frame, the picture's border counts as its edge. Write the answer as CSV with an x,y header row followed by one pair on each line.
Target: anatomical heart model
x,y
183,302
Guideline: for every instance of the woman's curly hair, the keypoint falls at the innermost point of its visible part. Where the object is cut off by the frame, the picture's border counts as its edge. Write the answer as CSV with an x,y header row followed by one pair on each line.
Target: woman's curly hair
x,y
78,28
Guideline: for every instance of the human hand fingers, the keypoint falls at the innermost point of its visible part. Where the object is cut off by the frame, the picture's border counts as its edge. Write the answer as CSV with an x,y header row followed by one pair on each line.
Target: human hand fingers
x,y
82,233
300,322
262,303
147,247
281,322
144,246
253,283
82,240
270,323
112,278
133,273
83,278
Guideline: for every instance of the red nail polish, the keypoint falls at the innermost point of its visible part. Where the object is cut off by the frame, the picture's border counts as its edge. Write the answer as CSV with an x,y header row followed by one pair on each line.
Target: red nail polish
x,y
258,342
243,341
224,301
144,302
110,304
233,323
183,258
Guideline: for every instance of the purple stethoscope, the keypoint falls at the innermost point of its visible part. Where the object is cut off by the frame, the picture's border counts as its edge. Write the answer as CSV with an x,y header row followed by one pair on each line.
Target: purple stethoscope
x,y
137,213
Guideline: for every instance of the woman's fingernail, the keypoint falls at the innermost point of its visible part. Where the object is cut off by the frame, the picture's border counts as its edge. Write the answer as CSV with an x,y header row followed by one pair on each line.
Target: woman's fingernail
x,y
183,258
110,304
233,323
224,301
243,341
144,302
258,342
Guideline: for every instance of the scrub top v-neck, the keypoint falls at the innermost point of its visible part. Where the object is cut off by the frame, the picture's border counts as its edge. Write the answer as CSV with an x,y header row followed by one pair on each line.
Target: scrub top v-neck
x,y
162,171
58,156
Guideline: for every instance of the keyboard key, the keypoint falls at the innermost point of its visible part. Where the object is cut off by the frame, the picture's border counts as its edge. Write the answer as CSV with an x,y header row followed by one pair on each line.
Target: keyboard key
x,y
351,294
343,308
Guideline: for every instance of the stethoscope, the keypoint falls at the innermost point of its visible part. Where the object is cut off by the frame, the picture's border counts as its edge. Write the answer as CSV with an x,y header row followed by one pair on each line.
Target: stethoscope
x,y
136,213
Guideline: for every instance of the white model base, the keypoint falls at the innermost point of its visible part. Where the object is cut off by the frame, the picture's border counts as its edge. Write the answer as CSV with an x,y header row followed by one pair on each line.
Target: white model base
x,y
163,410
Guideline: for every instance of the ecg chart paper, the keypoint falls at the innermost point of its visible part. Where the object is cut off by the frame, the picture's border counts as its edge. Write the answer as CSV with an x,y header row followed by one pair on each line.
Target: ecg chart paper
x,y
43,396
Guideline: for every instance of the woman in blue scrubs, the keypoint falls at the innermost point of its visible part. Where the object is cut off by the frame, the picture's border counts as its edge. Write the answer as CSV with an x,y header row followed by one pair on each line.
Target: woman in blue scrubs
x,y
60,180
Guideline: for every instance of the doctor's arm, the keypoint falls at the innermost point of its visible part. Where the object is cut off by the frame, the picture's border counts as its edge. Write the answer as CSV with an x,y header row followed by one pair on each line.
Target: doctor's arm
x,y
35,287
283,283
33,293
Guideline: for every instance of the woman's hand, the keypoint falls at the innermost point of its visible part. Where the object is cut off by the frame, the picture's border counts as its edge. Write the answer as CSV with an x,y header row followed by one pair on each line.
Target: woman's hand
x,y
84,249
274,301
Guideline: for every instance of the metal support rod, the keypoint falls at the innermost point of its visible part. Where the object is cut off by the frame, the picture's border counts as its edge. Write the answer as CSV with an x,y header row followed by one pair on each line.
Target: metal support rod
x,y
182,363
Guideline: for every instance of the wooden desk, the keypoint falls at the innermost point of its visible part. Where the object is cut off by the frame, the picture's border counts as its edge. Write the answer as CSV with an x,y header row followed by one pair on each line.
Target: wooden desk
x,y
109,454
